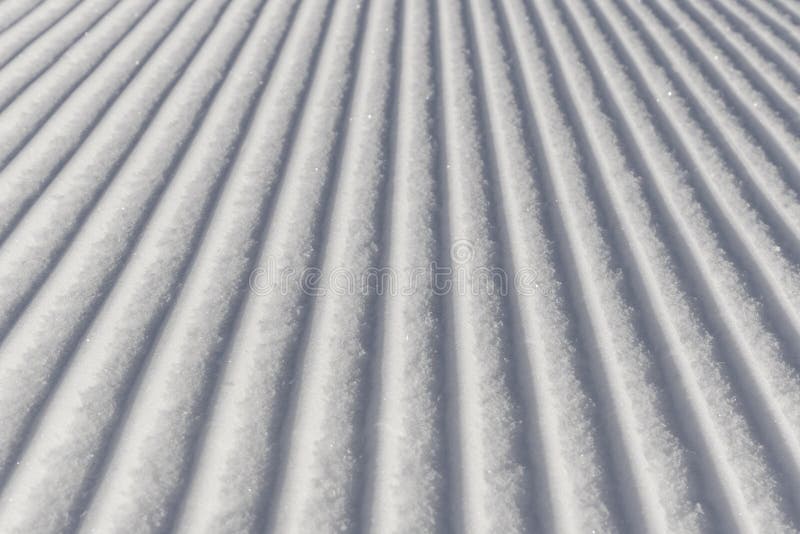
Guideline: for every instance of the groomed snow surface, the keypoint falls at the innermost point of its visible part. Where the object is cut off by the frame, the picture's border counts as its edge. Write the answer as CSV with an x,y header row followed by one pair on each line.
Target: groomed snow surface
x,y
399,266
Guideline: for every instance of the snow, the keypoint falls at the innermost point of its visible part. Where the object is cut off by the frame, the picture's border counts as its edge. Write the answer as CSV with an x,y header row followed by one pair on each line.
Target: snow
x,y
587,213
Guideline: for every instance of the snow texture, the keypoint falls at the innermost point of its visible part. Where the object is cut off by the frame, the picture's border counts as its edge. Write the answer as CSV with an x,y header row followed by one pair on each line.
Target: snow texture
x,y
483,266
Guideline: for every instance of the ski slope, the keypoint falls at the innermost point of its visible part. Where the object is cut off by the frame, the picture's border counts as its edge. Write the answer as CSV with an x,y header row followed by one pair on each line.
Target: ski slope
x,y
399,266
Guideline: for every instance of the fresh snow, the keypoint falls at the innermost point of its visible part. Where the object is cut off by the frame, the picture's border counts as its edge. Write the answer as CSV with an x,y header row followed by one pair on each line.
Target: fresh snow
x,y
399,266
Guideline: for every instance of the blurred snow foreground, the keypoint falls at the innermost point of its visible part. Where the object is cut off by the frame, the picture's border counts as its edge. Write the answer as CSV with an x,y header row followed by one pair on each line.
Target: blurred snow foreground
x,y
399,266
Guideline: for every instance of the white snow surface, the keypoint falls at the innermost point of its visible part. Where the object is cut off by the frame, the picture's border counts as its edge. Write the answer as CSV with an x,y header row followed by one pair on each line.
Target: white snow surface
x,y
395,266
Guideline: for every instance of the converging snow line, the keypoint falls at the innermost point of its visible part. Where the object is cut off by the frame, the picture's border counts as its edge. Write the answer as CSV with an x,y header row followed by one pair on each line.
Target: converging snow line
x,y
399,266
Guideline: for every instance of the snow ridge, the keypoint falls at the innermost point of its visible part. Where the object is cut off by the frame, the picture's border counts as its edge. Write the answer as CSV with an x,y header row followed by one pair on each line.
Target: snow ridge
x,y
399,266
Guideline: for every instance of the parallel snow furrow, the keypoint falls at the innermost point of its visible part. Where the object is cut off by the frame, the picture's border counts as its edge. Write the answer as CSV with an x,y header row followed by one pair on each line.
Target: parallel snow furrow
x,y
329,398
585,443
166,442
723,284
230,430
54,86
408,491
14,39
370,505
784,272
453,437
770,74
776,43
727,96
744,71
399,266
608,342
489,417
115,219
775,274
550,508
774,13
667,304
166,247
678,496
79,181
780,143
39,145
14,11
38,58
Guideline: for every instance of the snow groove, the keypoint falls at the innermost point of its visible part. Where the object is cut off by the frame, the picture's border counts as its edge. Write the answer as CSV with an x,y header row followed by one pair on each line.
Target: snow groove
x,y
399,266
